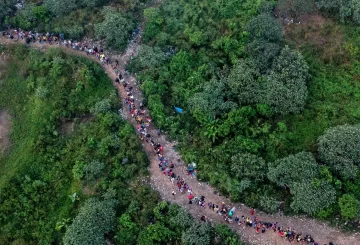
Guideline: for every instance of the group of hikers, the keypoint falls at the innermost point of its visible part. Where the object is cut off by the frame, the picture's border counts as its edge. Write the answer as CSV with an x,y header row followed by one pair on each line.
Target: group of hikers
x,y
166,166
57,39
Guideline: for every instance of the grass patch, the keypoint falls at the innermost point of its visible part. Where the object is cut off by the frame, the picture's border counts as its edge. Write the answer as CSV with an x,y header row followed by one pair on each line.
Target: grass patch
x,y
334,88
39,90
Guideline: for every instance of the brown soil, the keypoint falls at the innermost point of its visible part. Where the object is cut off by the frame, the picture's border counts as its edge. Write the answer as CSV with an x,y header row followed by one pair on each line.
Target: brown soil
x,y
321,231
2,65
321,35
68,126
5,126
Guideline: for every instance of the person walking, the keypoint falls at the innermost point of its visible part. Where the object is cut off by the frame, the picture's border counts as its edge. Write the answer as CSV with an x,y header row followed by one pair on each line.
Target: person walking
x,y
173,193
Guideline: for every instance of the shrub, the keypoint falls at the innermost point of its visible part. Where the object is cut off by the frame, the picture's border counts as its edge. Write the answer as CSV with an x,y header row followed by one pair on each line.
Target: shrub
x,y
115,28
265,27
339,149
59,8
95,219
349,206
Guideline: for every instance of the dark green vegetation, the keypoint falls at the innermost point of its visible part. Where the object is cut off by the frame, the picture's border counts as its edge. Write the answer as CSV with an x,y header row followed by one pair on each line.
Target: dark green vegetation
x,y
77,18
256,101
75,173
39,190
171,225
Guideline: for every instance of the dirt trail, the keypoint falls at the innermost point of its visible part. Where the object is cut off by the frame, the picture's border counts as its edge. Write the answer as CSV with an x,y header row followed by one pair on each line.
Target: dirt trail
x,y
5,125
321,232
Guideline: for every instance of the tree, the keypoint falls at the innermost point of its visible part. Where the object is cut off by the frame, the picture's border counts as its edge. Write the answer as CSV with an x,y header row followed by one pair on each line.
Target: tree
x,y
213,99
243,81
339,148
293,169
227,236
157,233
100,107
6,8
93,3
295,7
266,7
310,191
349,206
116,29
268,203
248,166
95,219
265,27
310,197
59,8
154,21
40,13
149,57
284,89
128,230
263,53
198,233
181,221
78,170
346,9
93,170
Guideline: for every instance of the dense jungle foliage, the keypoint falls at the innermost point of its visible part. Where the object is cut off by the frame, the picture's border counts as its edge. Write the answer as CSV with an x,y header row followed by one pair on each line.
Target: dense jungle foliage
x,y
112,20
270,106
75,172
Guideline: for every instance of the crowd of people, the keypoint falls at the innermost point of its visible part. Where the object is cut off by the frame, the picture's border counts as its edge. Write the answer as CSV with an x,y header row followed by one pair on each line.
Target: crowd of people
x,y
166,166
56,39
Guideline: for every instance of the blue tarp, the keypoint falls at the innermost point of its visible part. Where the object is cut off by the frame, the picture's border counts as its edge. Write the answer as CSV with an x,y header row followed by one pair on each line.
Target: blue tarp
x,y
179,110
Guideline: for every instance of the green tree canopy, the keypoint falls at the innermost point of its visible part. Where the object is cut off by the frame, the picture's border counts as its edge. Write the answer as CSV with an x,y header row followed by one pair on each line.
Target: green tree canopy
x,y
248,166
293,169
95,219
93,3
295,7
243,81
6,8
198,233
59,8
154,21
149,57
339,148
349,9
115,28
213,100
155,234
301,173
263,53
93,170
349,206
182,220
284,89
265,27
100,107
310,197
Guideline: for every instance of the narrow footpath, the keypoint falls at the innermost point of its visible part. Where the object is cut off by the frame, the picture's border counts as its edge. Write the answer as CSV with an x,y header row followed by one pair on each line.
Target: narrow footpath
x,y
320,231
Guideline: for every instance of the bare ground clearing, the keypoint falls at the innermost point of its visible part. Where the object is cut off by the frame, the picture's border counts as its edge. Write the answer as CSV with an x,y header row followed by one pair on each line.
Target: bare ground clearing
x,y
5,127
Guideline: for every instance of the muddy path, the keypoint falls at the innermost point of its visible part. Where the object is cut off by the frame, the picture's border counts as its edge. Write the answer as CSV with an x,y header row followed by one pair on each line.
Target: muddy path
x,y
5,127
322,232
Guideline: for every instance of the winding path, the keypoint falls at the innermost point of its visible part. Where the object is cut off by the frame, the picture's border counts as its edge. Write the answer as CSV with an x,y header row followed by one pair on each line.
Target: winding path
x,y
321,232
